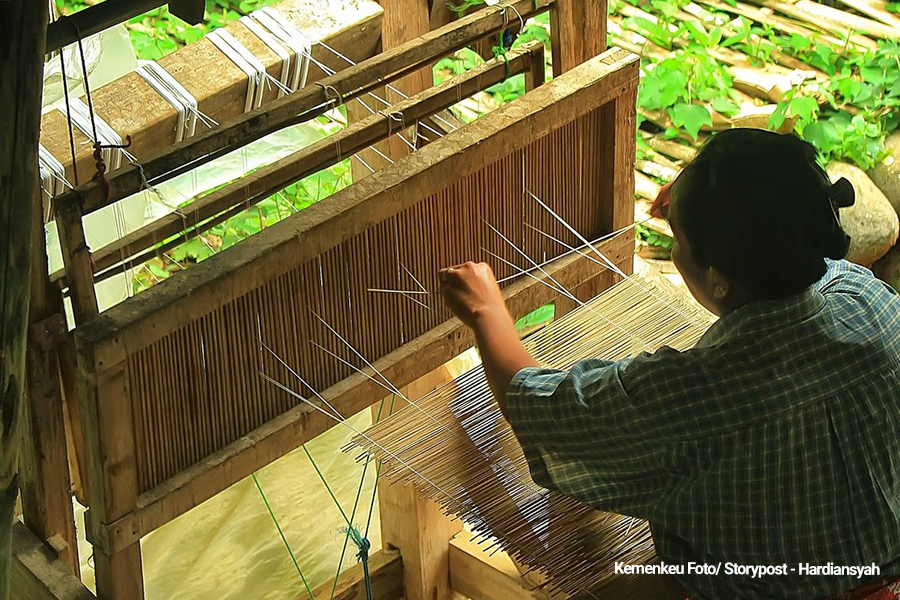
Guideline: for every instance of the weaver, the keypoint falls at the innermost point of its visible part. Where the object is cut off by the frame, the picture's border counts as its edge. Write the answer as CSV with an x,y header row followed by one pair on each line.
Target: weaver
x,y
747,449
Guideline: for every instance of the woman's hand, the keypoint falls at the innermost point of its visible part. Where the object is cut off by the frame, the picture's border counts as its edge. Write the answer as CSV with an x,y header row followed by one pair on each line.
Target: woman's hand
x,y
471,292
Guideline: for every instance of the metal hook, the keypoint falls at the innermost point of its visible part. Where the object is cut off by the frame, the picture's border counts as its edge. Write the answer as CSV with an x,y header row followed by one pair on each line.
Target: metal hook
x,y
331,93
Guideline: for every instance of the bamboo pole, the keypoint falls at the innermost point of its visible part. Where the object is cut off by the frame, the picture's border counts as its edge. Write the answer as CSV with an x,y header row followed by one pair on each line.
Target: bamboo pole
x,y
23,30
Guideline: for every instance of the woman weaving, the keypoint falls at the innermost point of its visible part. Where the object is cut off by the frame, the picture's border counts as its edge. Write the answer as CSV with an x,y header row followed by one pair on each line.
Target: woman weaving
x,y
776,439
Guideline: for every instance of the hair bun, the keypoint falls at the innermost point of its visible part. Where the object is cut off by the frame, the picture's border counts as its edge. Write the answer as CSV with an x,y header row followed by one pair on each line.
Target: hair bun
x,y
841,193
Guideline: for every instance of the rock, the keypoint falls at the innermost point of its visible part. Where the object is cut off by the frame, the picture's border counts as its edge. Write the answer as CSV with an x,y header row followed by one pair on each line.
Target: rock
x,y
886,174
872,223
887,268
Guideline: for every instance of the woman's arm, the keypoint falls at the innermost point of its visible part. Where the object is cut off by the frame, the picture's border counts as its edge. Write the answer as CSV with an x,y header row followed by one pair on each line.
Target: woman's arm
x,y
472,293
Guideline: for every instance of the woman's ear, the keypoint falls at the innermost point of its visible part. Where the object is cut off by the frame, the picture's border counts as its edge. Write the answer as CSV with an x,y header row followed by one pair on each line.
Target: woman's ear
x,y
718,284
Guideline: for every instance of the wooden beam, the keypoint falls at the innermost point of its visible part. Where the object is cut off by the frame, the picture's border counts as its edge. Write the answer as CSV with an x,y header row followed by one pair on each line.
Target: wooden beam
x,y
46,484
142,320
263,182
417,526
38,574
301,424
480,575
23,27
300,106
385,574
130,106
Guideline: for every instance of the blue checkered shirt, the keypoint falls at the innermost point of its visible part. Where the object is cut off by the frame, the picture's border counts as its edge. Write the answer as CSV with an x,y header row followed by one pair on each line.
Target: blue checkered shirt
x,y
775,440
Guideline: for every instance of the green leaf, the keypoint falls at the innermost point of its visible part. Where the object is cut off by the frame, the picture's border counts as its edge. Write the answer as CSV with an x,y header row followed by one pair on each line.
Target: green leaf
x,y
157,271
823,135
804,107
697,31
691,117
776,119
726,106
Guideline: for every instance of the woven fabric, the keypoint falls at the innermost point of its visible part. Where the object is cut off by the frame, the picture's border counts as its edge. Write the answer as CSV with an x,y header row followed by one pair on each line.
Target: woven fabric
x,y
774,441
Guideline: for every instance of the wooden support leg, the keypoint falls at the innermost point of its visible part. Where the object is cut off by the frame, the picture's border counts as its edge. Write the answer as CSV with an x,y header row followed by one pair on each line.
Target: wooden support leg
x,y
46,486
119,577
417,527
618,125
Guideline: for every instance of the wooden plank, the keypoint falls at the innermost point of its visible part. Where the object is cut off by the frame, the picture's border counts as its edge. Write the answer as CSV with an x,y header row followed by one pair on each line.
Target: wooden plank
x,y
145,318
385,574
300,106
46,485
301,424
480,575
260,184
22,36
131,106
38,574
618,127
417,526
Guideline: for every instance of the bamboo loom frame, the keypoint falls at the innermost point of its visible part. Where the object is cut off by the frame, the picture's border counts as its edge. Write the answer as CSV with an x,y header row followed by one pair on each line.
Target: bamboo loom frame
x,y
119,515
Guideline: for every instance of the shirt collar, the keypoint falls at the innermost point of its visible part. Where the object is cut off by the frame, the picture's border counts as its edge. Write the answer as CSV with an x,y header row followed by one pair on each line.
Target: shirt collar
x,y
760,316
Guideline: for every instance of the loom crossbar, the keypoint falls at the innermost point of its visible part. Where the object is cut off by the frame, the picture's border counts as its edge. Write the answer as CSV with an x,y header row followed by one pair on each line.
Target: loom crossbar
x,y
207,211
302,106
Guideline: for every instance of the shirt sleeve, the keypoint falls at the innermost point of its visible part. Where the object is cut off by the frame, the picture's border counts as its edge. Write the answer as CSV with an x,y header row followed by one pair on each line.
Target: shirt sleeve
x,y
583,435
843,276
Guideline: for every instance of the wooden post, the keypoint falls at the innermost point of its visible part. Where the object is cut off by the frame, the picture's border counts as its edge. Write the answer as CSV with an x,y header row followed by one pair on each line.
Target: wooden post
x,y
403,21
23,31
108,432
46,485
415,526
578,32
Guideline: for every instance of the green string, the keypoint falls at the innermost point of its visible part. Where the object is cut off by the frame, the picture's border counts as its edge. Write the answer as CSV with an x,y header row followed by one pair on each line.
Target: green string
x,y
361,541
280,532
377,471
327,487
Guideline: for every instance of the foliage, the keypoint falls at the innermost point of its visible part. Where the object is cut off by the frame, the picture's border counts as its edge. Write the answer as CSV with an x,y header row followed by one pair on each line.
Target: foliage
x,y
651,237
293,198
536,318
684,85
846,118
158,33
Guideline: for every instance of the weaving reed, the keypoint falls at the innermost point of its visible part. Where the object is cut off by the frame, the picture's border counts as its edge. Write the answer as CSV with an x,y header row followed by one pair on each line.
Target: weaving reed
x,y
456,448
198,388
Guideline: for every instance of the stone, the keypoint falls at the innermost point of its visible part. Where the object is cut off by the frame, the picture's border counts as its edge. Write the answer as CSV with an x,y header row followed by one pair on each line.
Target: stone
x,y
887,268
872,223
886,174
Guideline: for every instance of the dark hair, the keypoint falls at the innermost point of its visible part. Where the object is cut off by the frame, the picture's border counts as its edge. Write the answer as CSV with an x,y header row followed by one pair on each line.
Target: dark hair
x,y
757,206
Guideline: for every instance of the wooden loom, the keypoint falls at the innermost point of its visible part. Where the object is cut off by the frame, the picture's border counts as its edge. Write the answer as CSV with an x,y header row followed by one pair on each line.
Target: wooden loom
x,y
172,408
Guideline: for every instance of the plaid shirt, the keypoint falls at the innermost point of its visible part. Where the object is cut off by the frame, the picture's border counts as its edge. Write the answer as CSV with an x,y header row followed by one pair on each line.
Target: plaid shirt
x,y
775,440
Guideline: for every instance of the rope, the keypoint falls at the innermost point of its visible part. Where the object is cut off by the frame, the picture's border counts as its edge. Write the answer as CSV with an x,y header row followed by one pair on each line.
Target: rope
x,y
281,533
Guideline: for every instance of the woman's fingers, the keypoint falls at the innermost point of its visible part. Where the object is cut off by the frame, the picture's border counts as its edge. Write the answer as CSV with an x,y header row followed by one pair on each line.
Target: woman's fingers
x,y
660,207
